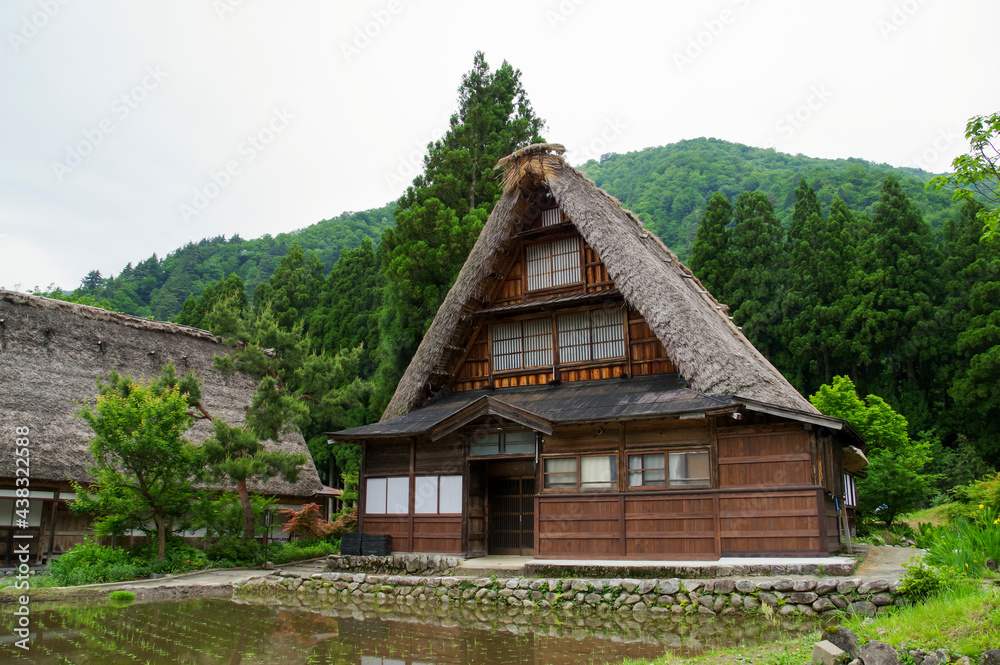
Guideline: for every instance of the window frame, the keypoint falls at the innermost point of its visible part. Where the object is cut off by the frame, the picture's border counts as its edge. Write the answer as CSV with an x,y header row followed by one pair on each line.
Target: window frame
x,y
386,479
523,351
502,444
667,486
528,275
438,494
592,343
578,486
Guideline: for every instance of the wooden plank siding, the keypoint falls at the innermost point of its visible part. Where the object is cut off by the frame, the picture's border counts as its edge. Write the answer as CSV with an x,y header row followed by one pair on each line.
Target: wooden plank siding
x,y
763,499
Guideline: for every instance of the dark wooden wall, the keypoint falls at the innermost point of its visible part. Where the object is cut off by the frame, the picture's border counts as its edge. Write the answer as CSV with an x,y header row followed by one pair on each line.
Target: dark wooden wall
x,y
765,497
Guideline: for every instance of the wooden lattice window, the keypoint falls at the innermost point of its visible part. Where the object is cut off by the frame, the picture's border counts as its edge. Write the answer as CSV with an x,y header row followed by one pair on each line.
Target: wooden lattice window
x,y
582,473
522,345
551,217
553,263
591,336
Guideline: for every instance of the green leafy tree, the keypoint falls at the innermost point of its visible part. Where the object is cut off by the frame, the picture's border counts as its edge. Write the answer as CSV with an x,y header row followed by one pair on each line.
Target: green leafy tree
x,y
143,467
977,173
441,214
896,482
710,255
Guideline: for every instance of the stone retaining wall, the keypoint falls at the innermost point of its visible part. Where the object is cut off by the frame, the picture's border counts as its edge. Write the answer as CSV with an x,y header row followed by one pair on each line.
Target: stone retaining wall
x,y
419,564
676,596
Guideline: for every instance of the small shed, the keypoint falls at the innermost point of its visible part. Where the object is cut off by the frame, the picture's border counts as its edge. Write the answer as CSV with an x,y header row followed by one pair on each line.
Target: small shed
x,y
581,395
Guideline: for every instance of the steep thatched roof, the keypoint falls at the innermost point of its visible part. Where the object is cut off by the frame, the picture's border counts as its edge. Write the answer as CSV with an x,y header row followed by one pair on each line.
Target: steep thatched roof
x,y
710,351
51,352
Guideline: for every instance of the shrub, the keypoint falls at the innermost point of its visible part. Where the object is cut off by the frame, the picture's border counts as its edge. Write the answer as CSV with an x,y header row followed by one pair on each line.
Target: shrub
x,y
964,545
236,551
281,553
93,563
305,523
921,581
121,598
346,522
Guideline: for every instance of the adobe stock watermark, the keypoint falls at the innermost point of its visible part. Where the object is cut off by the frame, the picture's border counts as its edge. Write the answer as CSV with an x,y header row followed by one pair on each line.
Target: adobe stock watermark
x,y
712,29
32,25
247,151
225,7
370,30
794,120
613,128
121,108
899,16
944,139
408,166
558,14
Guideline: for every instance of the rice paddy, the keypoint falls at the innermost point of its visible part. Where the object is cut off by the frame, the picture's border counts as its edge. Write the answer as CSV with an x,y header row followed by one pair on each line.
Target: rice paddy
x,y
210,632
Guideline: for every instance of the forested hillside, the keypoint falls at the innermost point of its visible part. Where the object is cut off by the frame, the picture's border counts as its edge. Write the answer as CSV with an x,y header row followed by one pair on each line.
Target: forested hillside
x,y
669,187
158,287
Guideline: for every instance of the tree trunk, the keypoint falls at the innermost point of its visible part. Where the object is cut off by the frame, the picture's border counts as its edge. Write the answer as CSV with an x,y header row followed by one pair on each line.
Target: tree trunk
x,y
161,537
248,525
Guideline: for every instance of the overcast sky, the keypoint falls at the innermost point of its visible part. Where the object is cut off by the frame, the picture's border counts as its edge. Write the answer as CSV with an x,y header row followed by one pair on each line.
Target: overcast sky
x,y
133,127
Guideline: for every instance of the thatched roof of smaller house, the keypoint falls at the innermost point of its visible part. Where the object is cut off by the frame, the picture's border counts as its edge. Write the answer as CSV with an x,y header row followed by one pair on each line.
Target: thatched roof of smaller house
x,y
709,349
52,352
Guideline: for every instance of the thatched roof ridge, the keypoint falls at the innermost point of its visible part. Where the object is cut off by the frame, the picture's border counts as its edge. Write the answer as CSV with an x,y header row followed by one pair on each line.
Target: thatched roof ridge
x,y
694,328
98,314
51,352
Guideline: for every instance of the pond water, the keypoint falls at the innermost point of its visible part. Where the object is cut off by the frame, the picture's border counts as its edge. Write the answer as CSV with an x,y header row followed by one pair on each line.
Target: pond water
x,y
225,632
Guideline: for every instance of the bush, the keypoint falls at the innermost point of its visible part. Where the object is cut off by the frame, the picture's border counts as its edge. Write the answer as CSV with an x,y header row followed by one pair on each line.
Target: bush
x,y
964,545
305,523
921,581
235,551
346,522
92,563
179,556
281,553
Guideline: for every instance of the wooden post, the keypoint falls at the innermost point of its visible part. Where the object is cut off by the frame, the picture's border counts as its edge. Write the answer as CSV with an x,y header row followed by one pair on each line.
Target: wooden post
x,y
413,492
52,527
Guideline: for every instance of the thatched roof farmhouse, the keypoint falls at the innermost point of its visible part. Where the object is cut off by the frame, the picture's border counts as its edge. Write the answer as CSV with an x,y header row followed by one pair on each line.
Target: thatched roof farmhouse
x,y
52,352
580,394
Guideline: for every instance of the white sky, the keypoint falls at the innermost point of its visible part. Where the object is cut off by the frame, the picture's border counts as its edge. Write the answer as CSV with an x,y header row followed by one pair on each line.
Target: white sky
x,y
155,98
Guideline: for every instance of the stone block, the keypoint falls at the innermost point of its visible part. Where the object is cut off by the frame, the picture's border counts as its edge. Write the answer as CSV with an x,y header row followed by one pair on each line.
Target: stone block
x,y
824,587
843,638
669,587
873,586
826,653
646,586
725,586
745,586
882,599
864,608
803,597
804,585
823,605
630,585
848,586
990,657
783,584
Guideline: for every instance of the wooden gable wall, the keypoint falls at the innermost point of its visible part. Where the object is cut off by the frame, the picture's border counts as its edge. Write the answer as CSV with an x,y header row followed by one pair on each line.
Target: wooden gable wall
x,y
644,353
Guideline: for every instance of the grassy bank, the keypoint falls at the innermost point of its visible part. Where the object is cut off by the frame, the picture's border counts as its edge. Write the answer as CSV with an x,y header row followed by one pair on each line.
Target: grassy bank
x,y
964,620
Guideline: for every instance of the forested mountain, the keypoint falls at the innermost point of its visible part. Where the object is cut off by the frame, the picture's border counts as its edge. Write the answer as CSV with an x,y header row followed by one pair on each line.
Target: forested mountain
x,y
158,287
669,187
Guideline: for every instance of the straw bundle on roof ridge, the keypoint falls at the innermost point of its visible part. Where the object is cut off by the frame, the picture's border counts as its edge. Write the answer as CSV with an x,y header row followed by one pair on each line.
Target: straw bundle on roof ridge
x,y
52,352
694,328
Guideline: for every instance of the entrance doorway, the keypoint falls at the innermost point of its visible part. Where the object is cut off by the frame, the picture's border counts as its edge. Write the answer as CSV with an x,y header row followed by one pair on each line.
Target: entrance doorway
x,y
512,516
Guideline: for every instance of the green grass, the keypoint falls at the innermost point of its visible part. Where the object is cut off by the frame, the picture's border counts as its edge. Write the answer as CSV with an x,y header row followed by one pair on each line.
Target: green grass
x,y
936,515
966,621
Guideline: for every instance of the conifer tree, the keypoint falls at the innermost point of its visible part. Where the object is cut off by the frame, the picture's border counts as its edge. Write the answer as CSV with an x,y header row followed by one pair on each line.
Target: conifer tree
x,y
441,214
294,288
756,286
710,255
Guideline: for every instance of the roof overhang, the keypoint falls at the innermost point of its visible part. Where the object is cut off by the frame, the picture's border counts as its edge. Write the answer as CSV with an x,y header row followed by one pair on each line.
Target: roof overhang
x,y
829,422
488,405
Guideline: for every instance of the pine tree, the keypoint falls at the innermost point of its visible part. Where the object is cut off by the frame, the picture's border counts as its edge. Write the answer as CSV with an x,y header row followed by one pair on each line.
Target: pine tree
x,y
710,256
294,288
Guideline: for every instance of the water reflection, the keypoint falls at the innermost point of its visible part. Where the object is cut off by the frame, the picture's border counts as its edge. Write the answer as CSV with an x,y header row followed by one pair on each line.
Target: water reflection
x,y
222,632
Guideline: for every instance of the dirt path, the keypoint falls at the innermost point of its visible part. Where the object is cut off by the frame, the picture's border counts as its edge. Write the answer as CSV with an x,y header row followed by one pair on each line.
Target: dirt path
x,y
885,562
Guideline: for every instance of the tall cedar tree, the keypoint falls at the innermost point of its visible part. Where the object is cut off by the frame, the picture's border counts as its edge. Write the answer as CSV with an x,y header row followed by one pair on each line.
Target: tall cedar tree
x,y
820,263
893,316
974,297
441,214
710,257
755,287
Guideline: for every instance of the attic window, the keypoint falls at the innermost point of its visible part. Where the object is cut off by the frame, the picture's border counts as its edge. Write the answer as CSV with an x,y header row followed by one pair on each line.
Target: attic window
x,y
553,264
522,344
551,217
